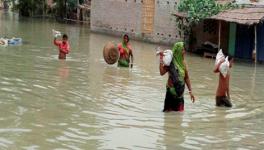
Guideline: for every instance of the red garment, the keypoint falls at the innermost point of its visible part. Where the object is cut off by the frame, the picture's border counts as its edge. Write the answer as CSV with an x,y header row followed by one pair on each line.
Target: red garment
x,y
64,47
124,52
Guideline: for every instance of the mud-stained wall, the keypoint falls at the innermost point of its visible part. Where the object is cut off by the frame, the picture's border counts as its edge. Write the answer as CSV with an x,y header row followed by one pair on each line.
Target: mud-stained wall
x,y
165,28
116,16
125,16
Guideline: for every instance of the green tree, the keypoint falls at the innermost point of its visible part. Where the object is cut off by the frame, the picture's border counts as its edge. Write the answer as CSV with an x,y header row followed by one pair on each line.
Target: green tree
x,y
29,7
198,10
60,9
64,7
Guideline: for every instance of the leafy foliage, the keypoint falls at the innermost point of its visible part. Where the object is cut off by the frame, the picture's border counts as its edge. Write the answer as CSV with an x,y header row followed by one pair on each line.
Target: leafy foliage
x,y
28,7
60,8
198,10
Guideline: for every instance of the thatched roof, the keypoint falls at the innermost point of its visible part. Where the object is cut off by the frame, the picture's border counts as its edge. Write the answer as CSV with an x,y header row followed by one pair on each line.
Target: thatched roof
x,y
248,16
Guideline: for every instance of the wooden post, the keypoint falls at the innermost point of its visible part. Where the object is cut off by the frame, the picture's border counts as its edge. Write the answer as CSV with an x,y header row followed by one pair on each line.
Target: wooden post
x,y
13,4
219,34
43,8
78,10
32,13
255,45
65,9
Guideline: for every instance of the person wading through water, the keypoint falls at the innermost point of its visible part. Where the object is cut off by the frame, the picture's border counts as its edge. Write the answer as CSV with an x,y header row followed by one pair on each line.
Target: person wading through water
x,y
178,77
63,45
126,54
223,93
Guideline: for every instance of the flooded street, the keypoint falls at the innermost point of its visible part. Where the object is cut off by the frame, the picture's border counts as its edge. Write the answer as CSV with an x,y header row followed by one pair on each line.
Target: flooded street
x,y
83,103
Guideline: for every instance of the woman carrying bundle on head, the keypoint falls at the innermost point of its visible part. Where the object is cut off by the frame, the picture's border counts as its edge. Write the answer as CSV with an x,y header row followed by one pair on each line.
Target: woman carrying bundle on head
x,y
178,77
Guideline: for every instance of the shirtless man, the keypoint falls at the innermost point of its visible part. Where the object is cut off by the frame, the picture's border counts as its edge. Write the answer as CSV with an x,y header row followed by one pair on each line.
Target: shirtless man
x,y
222,93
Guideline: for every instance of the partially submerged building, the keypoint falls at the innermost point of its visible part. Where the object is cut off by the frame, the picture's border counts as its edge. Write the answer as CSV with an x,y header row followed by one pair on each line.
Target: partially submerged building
x,y
148,20
246,32
239,32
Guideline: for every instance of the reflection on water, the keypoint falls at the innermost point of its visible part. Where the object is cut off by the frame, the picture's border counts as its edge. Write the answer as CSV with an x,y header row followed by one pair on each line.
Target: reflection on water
x,y
63,70
83,103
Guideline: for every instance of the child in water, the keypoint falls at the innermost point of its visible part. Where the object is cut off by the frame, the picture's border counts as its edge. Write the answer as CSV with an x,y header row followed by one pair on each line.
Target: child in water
x,y
222,93
64,46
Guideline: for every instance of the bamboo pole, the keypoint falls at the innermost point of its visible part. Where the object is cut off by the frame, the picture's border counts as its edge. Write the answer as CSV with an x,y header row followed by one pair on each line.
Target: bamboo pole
x,y
255,45
32,13
65,9
78,10
43,8
219,34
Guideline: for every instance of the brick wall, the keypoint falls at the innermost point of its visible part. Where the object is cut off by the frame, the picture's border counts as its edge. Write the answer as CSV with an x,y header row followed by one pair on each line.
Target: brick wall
x,y
125,16
165,28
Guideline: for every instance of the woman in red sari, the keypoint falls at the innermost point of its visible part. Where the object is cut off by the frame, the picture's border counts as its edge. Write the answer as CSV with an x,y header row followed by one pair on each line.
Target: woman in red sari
x,y
126,54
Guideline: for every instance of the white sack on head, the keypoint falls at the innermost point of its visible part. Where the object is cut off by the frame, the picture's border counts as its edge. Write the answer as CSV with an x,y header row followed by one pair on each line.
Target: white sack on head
x,y
56,33
224,67
167,57
219,57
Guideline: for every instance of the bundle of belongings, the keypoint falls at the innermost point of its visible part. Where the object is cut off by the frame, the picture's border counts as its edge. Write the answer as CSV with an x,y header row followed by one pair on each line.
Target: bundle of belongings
x,y
224,67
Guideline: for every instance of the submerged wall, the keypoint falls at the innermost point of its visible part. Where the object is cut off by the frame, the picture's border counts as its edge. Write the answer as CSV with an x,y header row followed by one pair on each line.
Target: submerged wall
x,y
117,17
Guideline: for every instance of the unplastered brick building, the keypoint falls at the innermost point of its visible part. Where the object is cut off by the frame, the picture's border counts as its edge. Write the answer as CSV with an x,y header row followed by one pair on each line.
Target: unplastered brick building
x,y
148,20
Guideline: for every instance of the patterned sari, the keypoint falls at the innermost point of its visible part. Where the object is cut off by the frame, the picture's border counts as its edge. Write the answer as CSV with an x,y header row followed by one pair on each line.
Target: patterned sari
x,y
174,100
124,50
